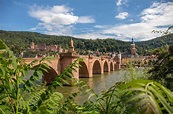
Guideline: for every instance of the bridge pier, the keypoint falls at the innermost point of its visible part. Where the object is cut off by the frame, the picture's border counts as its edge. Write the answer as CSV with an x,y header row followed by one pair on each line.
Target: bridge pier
x,y
66,59
90,69
117,66
118,62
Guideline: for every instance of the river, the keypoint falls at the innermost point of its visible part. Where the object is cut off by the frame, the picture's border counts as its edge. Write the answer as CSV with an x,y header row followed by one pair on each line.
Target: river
x,y
99,83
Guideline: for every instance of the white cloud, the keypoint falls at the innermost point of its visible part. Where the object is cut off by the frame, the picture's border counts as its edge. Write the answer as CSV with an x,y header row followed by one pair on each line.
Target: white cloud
x,y
122,15
60,22
93,35
86,19
159,14
57,17
62,30
140,31
157,17
119,2
101,26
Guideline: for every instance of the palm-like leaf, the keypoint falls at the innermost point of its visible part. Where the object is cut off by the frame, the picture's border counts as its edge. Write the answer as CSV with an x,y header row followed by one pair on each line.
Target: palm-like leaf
x,y
146,95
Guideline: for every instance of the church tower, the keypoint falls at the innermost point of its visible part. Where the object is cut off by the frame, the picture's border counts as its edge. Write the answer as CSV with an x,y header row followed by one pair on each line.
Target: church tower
x,y
133,49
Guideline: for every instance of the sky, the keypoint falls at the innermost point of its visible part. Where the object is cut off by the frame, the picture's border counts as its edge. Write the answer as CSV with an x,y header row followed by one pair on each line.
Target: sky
x,y
88,19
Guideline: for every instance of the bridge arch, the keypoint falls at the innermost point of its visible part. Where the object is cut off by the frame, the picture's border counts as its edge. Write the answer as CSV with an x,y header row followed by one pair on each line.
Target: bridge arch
x,y
83,70
96,69
49,75
111,66
105,66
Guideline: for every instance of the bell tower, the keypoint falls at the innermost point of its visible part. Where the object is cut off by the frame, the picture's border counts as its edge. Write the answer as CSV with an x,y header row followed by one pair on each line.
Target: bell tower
x,y
133,49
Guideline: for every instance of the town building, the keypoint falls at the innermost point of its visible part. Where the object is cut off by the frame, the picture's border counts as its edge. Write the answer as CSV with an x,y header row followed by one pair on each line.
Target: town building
x,y
44,47
133,52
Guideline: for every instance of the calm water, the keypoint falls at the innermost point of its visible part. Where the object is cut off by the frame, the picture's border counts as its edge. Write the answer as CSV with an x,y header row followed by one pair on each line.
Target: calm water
x,y
98,83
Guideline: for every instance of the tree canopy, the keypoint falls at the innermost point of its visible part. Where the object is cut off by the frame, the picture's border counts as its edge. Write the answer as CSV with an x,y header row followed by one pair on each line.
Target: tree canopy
x,y
19,40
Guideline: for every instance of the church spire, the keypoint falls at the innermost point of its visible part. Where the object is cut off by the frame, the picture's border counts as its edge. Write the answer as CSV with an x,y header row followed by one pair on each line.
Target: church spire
x,y
132,41
133,49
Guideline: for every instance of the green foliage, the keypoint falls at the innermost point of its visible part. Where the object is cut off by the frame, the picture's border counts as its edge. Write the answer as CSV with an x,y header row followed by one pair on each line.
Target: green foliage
x,y
145,96
18,94
134,97
132,74
162,70
51,105
146,47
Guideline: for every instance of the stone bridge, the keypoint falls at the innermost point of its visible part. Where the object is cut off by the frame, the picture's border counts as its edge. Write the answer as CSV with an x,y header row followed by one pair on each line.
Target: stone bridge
x,y
91,65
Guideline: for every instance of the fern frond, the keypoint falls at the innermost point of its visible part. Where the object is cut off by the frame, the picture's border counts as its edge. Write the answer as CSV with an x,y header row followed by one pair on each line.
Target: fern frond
x,y
39,69
51,105
32,99
3,47
4,109
62,78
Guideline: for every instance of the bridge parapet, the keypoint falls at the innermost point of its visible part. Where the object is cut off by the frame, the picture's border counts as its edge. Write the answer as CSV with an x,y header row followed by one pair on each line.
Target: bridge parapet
x,y
69,55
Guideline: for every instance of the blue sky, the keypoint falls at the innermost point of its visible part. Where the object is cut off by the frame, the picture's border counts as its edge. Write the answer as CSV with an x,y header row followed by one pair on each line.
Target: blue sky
x,y
88,19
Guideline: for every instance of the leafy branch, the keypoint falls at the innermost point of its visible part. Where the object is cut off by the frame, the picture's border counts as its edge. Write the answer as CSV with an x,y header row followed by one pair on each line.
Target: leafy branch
x,y
146,96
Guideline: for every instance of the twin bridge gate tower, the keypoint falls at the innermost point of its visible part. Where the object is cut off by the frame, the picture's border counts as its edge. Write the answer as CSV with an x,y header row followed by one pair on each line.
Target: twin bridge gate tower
x,y
90,65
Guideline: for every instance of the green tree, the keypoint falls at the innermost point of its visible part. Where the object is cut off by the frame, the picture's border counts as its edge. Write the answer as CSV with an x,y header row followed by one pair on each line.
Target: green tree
x,y
162,69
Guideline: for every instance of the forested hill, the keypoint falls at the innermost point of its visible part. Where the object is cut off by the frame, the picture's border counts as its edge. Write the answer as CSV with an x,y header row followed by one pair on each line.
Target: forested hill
x,y
21,41
155,43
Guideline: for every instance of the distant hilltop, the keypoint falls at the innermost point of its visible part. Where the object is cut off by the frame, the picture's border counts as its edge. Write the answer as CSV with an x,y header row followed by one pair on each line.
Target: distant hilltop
x,y
19,40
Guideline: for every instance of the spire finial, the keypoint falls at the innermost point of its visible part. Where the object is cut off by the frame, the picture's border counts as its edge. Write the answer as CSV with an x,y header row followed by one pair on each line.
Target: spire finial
x,y
132,40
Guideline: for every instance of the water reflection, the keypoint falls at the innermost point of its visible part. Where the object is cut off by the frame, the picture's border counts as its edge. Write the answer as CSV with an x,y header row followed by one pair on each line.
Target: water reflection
x,y
99,83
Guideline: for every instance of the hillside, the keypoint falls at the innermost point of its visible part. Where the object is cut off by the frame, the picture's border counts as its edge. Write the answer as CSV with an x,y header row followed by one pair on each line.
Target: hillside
x,y
21,40
154,43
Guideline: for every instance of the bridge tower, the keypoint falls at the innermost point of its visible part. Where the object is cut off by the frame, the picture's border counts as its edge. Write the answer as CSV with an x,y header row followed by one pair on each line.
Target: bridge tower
x,y
71,49
118,61
67,58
